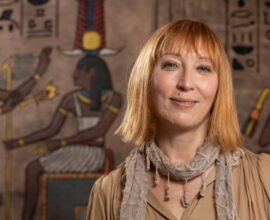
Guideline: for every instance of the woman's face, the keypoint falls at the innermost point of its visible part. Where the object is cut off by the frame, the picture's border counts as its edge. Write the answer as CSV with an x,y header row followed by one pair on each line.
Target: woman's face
x,y
183,90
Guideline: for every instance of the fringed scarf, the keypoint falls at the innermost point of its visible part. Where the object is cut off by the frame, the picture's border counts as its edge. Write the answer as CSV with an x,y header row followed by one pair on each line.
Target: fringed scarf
x,y
135,193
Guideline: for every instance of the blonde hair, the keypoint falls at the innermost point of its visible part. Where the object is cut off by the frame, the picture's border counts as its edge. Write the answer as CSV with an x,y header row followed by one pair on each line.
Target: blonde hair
x,y
138,124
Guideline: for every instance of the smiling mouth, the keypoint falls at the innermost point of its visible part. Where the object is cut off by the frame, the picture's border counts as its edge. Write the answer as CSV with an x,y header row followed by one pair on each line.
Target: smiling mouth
x,y
183,102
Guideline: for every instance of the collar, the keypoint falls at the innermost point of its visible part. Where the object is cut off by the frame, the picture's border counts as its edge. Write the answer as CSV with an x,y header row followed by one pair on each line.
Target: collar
x,y
84,96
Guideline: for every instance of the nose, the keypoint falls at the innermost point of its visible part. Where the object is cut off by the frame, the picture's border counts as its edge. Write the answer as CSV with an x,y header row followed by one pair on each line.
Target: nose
x,y
185,81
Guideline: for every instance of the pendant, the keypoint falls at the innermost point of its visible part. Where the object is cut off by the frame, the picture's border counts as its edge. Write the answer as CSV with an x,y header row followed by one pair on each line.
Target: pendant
x,y
156,179
167,194
185,201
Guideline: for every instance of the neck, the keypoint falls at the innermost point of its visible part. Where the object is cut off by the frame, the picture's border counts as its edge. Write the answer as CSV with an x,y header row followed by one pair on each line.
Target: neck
x,y
181,147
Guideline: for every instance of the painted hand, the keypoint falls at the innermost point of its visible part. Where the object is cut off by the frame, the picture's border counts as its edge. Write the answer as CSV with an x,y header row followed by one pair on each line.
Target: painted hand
x,y
12,144
52,145
11,102
4,94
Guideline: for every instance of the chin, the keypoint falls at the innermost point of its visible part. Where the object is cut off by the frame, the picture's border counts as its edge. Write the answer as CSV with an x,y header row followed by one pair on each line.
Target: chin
x,y
186,123
178,125
184,126
183,121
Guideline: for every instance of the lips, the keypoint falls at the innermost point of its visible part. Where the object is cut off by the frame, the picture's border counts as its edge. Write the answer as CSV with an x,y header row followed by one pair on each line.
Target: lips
x,y
183,102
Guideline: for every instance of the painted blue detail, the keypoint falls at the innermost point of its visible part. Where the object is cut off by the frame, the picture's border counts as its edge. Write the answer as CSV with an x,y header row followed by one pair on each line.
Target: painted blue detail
x,y
86,94
90,14
92,52
65,194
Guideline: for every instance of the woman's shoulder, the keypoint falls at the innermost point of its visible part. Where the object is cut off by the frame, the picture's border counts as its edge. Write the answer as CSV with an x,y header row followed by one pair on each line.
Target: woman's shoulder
x,y
257,160
256,168
111,182
105,197
263,169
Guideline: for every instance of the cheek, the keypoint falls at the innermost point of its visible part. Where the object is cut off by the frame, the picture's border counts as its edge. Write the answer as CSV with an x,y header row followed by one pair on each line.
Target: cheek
x,y
161,85
158,93
208,88
157,82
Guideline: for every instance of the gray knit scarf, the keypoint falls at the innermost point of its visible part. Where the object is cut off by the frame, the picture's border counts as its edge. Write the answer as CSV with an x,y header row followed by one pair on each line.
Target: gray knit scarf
x,y
135,193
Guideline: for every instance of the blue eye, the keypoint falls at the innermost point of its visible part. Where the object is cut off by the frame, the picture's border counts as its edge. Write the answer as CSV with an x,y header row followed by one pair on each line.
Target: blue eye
x,y
169,66
204,69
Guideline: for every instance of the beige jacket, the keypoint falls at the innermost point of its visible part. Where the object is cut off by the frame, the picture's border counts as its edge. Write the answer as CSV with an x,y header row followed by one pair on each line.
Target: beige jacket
x,y
251,188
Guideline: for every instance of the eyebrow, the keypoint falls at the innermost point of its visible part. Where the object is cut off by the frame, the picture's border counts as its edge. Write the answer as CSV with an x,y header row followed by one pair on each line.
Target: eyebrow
x,y
179,55
204,58
174,54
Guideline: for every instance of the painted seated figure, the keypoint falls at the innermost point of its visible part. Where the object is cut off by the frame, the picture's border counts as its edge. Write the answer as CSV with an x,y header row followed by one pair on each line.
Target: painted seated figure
x,y
95,106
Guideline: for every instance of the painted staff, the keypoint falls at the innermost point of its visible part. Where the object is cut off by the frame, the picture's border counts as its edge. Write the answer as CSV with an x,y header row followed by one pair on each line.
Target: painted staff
x,y
251,122
9,134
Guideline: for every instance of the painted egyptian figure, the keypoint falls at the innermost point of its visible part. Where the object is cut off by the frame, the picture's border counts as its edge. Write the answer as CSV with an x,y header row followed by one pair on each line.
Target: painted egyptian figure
x,y
95,106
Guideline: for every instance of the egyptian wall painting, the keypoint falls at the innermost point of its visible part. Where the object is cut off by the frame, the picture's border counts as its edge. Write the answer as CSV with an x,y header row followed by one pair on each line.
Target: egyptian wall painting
x,y
64,68
57,104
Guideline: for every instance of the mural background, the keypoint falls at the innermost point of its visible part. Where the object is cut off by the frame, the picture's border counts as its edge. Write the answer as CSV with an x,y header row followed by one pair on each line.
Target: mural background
x,y
26,27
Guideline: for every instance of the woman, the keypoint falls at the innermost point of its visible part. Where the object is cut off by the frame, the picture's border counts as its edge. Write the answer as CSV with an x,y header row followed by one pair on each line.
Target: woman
x,y
190,162
95,106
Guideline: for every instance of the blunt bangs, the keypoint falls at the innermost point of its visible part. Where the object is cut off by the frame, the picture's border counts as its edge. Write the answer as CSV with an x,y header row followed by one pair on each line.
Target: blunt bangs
x,y
193,36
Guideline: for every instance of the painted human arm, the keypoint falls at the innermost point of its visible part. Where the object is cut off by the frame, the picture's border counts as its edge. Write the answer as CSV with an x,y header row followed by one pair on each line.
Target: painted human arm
x,y
17,95
90,136
51,130
109,114
3,94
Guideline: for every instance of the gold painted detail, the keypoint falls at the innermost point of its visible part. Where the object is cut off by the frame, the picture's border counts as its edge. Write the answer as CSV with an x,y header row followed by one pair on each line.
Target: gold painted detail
x,y
106,96
41,150
84,99
63,111
262,98
91,40
21,141
48,93
63,143
113,109
36,76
